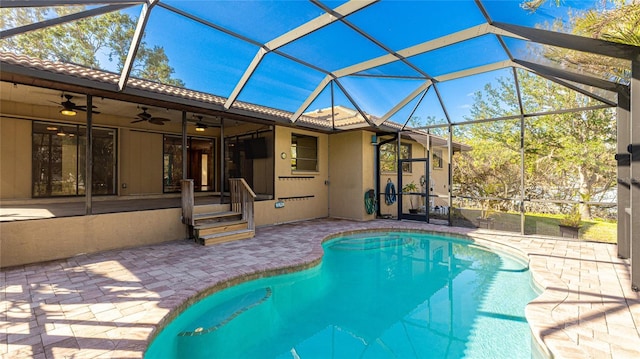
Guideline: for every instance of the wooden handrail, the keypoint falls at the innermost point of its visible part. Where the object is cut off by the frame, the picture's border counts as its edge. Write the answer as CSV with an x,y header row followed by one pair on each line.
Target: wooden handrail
x,y
242,198
186,186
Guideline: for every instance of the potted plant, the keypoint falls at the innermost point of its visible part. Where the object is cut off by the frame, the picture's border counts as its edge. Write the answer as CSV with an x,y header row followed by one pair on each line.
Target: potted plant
x,y
407,189
485,220
570,224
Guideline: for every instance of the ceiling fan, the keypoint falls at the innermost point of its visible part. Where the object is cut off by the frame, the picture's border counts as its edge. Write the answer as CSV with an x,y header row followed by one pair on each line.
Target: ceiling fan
x,y
146,116
69,108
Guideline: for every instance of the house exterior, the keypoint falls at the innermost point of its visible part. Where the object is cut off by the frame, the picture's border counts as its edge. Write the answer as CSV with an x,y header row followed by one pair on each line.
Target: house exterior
x,y
320,167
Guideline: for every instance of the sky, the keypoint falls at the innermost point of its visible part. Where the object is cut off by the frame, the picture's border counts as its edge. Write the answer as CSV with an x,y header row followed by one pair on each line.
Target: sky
x,y
211,61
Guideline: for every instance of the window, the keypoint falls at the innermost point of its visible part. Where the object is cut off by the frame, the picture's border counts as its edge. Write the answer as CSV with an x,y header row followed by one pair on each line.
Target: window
x,y
58,160
388,159
304,153
436,158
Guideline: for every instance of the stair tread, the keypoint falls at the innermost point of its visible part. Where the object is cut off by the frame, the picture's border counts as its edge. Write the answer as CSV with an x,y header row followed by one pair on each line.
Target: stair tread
x,y
223,234
207,225
201,216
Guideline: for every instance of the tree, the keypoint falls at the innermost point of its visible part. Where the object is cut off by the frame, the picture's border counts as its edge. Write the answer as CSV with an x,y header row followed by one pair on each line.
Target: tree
x,y
85,41
617,22
567,156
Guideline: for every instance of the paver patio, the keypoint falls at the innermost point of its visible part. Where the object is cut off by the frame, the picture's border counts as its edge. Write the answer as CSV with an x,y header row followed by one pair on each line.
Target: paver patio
x,y
111,304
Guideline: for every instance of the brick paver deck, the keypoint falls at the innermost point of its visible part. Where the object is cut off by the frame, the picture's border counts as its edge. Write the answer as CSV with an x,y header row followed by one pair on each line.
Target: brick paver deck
x,y
111,304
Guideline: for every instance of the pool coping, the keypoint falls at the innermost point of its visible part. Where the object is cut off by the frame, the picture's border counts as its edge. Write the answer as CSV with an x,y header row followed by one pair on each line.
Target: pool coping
x,y
575,316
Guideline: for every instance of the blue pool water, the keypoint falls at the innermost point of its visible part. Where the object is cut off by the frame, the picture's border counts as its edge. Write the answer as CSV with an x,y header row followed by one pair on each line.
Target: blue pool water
x,y
375,295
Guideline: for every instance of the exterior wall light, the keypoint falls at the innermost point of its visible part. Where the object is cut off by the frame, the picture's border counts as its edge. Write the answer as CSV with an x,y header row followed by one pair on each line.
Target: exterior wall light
x,y
200,127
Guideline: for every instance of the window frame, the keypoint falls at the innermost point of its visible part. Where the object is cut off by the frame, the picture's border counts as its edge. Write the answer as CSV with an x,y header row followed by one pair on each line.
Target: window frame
x,y
294,153
436,159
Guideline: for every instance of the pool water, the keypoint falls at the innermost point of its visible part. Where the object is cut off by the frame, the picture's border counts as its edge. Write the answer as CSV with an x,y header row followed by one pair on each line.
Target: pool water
x,y
375,295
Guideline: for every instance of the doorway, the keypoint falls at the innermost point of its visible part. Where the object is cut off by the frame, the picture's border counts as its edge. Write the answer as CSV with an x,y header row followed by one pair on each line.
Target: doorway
x,y
413,199
200,163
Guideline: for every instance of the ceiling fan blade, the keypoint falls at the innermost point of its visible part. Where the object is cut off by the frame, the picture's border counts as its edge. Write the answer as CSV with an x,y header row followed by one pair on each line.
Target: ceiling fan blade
x,y
157,121
136,121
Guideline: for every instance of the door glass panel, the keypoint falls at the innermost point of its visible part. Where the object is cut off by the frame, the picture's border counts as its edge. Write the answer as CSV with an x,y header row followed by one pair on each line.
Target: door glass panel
x,y
199,163
172,164
200,166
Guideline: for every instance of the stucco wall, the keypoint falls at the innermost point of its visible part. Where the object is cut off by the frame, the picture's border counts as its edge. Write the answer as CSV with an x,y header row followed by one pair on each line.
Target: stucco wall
x,y
351,174
440,177
15,159
25,242
309,188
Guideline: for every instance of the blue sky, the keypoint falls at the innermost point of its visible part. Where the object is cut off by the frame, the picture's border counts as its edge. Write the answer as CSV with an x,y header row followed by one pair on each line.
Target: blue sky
x,y
210,61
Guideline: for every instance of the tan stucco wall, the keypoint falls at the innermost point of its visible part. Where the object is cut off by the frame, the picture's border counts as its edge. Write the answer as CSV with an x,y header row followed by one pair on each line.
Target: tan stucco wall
x,y
290,183
15,159
141,167
351,174
440,177
23,242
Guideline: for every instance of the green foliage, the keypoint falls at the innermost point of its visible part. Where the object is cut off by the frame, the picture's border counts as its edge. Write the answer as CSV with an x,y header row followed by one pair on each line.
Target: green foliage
x,y
572,219
567,156
408,188
85,41
613,20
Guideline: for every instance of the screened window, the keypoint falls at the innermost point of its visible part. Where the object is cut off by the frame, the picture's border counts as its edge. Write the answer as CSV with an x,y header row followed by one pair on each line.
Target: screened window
x,y
388,160
304,153
58,160
436,158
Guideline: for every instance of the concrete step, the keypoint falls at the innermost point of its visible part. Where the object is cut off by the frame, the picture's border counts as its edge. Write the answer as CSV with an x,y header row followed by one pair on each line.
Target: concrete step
x,y
226,237
207,228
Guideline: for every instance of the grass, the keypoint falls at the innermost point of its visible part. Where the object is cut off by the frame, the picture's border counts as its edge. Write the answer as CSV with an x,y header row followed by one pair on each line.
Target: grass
x,y
543,224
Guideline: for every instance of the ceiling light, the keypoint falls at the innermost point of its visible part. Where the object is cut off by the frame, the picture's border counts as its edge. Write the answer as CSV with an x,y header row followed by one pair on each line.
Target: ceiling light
x,y
200,127
68,112
52,128
61,133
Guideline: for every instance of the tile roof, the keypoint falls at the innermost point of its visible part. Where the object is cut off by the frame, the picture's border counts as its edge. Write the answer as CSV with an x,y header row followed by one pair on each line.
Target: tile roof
x,y
111,78
346,118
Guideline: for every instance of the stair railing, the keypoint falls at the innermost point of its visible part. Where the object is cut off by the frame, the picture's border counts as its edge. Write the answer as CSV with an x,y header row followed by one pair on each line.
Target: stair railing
x,y
242,197
186,186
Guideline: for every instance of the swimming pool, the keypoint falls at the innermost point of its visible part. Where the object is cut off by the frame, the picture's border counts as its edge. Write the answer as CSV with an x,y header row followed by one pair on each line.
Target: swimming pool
x,y
375,295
